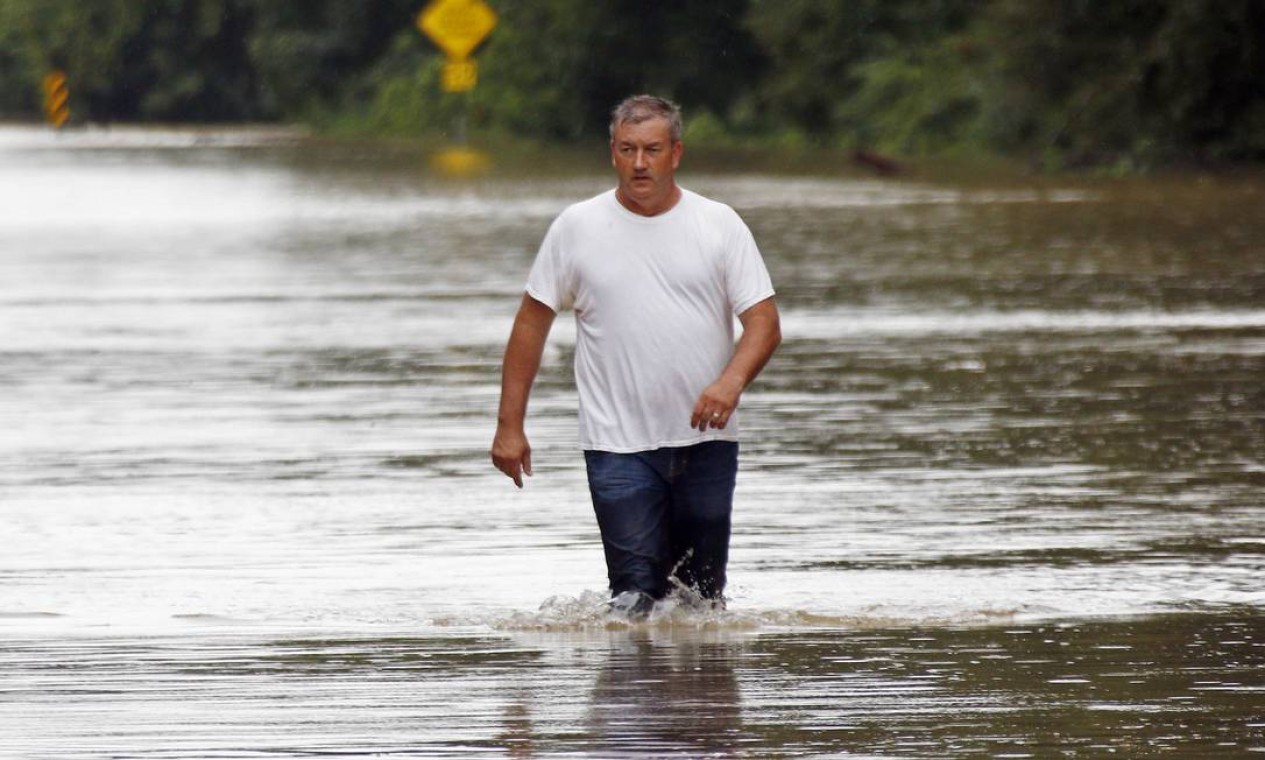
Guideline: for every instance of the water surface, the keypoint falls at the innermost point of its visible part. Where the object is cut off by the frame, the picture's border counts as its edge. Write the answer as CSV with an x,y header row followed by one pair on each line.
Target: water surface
x,y
1001,490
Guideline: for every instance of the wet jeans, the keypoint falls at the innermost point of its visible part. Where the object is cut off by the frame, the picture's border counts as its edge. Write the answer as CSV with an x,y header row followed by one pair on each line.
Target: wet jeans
x,y
665,513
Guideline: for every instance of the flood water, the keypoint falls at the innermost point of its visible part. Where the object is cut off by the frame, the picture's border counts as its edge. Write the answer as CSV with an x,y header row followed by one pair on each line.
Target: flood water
x,y
1001,492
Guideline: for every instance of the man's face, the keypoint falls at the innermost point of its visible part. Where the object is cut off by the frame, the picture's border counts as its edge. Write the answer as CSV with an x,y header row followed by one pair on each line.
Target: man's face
x,y
645,158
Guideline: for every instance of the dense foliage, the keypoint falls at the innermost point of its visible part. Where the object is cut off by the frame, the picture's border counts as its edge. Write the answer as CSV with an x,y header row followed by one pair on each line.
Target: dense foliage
x,y
1127,81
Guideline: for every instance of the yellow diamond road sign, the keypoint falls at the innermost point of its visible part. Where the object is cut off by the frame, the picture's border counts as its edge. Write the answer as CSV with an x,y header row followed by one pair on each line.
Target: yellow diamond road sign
x,y
457,26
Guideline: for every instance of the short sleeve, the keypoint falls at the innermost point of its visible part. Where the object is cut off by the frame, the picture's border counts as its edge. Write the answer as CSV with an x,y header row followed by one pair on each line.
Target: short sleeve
x,y
747,280
549,280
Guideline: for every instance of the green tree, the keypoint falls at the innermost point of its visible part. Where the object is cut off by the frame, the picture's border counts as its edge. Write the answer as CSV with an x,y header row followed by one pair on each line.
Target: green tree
x,y
921,99
844,72
554,68
1148,80
166,59
699,52
1132,81
311,55
86,41
534,68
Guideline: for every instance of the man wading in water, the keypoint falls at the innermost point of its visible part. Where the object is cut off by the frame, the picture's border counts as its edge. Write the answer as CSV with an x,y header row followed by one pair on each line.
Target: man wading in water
x,y
654,274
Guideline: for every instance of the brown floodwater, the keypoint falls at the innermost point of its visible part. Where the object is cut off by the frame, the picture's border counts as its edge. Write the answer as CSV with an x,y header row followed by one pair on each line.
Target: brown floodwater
x,y
1001,491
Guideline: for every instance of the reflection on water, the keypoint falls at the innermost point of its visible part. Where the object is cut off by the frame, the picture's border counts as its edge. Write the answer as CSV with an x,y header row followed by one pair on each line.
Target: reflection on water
x,y
1175,685
680,699
1001,493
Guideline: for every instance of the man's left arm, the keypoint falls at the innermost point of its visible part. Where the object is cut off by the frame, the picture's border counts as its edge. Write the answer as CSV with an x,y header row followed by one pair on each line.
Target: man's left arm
x,y
761,334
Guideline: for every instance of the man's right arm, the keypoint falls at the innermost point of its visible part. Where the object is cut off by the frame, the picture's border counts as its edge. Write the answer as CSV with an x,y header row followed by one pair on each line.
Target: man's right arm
x,y
511,453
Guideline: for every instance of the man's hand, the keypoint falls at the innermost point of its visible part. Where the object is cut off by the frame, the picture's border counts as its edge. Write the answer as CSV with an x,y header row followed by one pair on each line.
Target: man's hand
x,y
761,334
511,453
716,404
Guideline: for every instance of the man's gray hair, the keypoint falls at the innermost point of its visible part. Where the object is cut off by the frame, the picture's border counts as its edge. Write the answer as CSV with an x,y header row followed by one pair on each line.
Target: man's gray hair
x,y
639,108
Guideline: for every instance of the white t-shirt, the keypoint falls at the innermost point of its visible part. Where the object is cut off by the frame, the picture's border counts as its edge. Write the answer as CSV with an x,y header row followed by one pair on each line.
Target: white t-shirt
x,y
654,300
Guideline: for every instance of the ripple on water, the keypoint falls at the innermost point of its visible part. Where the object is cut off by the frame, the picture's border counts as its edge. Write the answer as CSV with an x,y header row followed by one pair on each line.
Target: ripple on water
x,y
999,497
1175,683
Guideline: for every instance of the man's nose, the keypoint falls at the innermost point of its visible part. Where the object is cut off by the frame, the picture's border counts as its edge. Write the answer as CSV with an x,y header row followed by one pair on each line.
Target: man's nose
x,y
639,161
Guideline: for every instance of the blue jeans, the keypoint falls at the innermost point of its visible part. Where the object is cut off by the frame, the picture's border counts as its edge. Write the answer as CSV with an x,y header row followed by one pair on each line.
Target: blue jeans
x,y
665,513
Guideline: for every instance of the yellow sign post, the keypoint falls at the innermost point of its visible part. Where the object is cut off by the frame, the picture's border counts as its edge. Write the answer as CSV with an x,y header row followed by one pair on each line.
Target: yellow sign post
x,y
56,98
457,27
458,76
